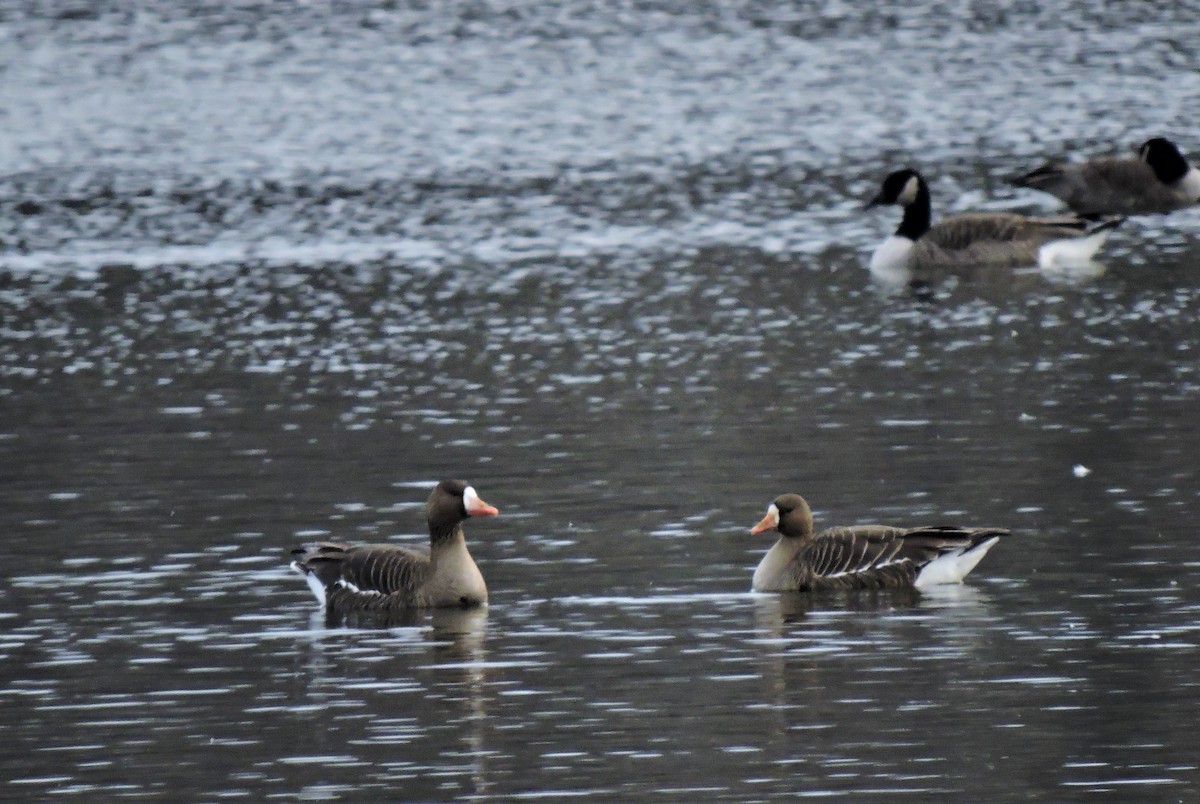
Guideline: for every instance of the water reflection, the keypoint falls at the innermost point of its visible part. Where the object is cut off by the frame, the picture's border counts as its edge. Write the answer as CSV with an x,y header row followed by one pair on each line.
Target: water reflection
x,y
436,662
794,607
632,294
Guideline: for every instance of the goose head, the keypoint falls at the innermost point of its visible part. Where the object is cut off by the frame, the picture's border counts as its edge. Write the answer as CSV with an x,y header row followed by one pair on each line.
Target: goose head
x,y
901,187
1164,158
451,502
790,515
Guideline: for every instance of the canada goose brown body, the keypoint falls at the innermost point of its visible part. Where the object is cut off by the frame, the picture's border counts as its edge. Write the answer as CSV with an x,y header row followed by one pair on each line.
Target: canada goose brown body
x,y
388,576
863,556
1158,180
920,246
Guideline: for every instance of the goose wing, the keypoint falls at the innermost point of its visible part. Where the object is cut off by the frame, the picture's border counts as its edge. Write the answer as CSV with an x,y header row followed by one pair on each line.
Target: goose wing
x,y
992,239
848,551
381,568
1123,187
1105,186
384,568
961,232
1071,179
922,545
879,555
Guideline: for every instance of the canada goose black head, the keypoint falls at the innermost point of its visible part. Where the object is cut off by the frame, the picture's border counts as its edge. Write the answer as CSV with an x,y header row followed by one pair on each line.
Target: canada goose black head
x,y
1164,158
906,188
901,187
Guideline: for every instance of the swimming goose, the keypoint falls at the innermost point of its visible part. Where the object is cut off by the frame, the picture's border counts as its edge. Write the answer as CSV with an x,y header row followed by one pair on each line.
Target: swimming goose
x,y
978,239
863,556
1159,179
389,576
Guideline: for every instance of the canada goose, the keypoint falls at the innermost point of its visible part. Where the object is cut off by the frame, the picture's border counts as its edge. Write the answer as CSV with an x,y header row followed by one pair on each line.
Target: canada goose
x,y
389,576
863,556
1159,179
979,239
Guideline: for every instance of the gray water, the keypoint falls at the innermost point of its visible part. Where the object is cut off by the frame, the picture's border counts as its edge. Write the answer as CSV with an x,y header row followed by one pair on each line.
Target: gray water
x,y
268,272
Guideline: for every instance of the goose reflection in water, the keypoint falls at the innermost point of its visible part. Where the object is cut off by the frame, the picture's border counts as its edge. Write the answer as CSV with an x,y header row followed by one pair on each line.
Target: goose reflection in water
x,y
441,681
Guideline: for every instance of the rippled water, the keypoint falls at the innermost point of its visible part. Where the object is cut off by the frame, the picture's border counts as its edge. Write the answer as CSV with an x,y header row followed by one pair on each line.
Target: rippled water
x,y
265,275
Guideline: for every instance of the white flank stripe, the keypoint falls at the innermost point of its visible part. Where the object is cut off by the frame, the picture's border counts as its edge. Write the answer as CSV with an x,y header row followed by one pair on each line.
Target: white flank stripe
x,y
860,568
350,585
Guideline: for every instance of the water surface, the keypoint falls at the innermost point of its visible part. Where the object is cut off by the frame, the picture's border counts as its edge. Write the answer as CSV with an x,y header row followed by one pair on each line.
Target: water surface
x,y
266,275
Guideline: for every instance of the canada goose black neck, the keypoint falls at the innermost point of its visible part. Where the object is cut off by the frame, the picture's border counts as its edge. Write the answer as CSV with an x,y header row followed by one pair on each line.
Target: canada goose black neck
x,y
917,213
907,188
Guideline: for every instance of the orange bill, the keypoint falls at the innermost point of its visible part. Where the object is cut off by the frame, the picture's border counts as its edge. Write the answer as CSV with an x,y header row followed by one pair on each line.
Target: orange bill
x,y
769,522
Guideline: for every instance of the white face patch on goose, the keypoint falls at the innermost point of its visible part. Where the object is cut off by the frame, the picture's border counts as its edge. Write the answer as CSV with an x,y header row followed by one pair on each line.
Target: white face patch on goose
x,y
470,498
909,193
773,515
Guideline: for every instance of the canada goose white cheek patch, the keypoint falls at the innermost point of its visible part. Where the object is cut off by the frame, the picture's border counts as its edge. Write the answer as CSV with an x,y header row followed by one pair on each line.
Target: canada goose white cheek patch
x,y
909,193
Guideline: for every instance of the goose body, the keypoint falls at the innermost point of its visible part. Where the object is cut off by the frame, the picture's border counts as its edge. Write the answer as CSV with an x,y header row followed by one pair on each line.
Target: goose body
x,y
388,576
1158,180
977,239
863,556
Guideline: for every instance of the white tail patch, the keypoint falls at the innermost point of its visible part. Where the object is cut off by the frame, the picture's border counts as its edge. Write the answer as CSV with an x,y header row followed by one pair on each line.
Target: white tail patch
x,y
953,567
1071,251
314,583
1189,185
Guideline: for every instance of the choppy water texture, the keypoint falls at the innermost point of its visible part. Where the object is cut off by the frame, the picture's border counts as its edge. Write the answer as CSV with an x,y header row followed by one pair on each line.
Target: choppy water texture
x,y
269,270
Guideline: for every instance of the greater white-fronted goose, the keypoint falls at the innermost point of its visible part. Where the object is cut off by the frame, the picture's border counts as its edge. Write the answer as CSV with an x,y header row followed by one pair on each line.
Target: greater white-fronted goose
x,y
978,239
1157,180
863,556
390,576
